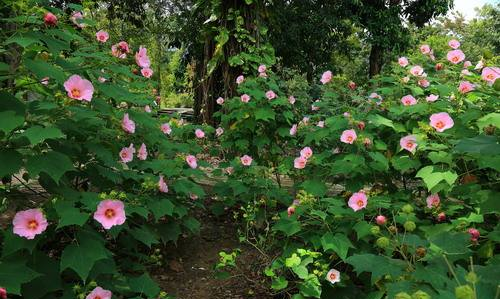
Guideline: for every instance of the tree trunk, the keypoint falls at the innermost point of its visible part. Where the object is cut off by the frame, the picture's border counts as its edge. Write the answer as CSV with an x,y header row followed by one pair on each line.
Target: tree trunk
x,y
376,60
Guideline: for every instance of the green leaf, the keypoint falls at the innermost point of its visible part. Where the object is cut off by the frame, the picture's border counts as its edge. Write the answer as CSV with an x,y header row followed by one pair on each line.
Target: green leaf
x,y
376,265
279,283
161,207
441,157
12,161
49,281
481,144
13,243
69,215
23,40
492,119
338,243
192,224
264,114
43,69
405,163
289,226
37,134
145,235
292,261
9,120
53,163
432,178
144,285
314,187
380,161
14,273
362,229
451,243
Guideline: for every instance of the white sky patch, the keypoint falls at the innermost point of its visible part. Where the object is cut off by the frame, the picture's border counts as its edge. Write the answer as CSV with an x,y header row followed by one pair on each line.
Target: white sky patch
x,y
466,7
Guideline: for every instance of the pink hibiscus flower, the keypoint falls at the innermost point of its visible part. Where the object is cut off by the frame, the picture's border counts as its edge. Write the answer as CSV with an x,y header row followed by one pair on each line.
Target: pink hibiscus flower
x,y
348,136
358,201
417,70
110,213
127,153
425,49
409,143
306,152
220,100
191,161
403,61
79,88
50,19
454,44
166,129
441,121
433,201
120,50
128,125
141,58
245,98
424,83
300,162
380,219
333,276
490,74
293,130
326,77
142,153
408,100
321,124
291,100
432,98
474,234
199,133
99,293
147,72
465,87
102,36
467,64
262,68
455,56
240,79
270,95
162,185
246,160
29,223
77,18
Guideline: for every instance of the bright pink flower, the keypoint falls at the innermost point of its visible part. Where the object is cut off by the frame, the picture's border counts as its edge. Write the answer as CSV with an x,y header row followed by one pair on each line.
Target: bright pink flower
x,y
425,49
409,143
455,56
454,44
147,109
246,160
490,74
147,72
199,133
290,211
424,83
3,293
127,153
45,80
326,77
79,88
348,136
102,36
120,50
433,201
417,70
321,124
141,58
300,162
99,293
293,130
240,79
262,68
306,152
474,234
245,98
465,87
166,129
358,201
432,98
291,100
333,276
191,161
403,61
408,100
380,219
270,95
110,213
29,223
162,185
142,153
77,18
128,125
441,121
219,131
220,100
50,19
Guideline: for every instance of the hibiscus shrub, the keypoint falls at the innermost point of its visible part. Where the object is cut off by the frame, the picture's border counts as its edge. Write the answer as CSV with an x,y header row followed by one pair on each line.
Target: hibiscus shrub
x,y
75,117
395,187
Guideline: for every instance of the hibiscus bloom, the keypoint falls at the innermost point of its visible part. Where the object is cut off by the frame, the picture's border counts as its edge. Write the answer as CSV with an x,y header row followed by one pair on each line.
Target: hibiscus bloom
x,y
79,88
490,74
262,68
454,44
403,61
409,143
293,130
425,49
306,152
465,87
245,98
432,98
326,77
110,213
128,125
99,293
348,136
433,201
455,56
166,129
417,70
441,121
220,100
142,153
408,100
291,100
162,185
246,160
240,79
199,133
102,36
141,58
50,19
147,72
300,162
270,95
333,276
127,153
120,50
29,223
358,201
191,161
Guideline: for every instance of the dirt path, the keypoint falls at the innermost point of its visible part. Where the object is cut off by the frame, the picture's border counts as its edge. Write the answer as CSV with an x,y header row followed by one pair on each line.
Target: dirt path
x,y
189,273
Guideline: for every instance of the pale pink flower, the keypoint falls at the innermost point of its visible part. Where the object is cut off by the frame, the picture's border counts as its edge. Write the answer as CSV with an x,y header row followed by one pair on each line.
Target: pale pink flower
x,y
191,161
245,98
50,19
110,213
375,95
417,70
305,120
326,77
262,68
270,95
466,72
455,56
142,153
76,18
127,153
293,130
141,58
291,100
102,36
306,152
262,75
408,100
358,201
403,61
321,124
147,72
433,201
314,108
467,64
45,80
346,114
380,219
99,293
166,129
220,100
147,109
120,50
454,44
79,88
128,125
424,83
333,276
348,136
29,223
490,74
162,185
409,143
240,79
479,65
432,98
300,162
219,131
425,49
441,121
465,87
246,160
199,133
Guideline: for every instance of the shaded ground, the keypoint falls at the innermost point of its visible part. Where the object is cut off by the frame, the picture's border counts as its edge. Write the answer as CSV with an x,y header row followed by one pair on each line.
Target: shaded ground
x,y
189,271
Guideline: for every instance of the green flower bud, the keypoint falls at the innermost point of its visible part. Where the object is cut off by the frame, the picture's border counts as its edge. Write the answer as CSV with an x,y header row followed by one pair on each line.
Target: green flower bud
x,y
375,230
471,277
383,242
407,209
410,226
420,295
464,292
402,295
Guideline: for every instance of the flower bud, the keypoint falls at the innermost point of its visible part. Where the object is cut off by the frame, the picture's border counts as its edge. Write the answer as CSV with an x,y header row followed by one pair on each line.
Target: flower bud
x,y
439,66
464,292
402,295
381,220
375,230
50,19
471,277
441,217
407,209
410,226
351,85
421,251
420,295
383,242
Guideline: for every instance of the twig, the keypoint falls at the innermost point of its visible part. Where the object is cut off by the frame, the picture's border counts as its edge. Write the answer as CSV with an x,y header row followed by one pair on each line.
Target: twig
x,y
29,188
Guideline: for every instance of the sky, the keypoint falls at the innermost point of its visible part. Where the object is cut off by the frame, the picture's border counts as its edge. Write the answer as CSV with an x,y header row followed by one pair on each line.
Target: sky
x,y
466,7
